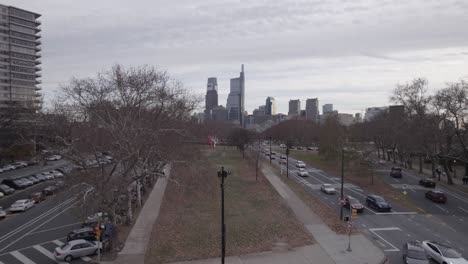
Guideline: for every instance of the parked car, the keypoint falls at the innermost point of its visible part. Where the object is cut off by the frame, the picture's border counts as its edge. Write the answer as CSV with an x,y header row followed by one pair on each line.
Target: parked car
x,y
48,175
33,179
15,183
283,157
49,190
77,248
282,161
395,172
300,148
2,195
2,213
53,157
414,253
8,167
21,205
427,182
93,219
6,189
57,174
327,188
436,196
282,146
40,177
353,203
85,233
302,172
20,164
378,203
27,182
442,253
37,197
300,164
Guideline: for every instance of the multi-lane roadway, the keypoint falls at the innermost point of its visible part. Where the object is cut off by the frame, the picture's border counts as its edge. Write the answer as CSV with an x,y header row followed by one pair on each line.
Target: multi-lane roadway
x,y
416,219
30,237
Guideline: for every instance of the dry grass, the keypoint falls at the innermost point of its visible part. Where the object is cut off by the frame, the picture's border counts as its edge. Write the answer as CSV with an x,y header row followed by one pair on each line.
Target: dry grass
x,y
188,227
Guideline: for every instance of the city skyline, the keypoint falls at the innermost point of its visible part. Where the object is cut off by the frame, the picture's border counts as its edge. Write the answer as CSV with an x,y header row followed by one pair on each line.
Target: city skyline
x,y
349,54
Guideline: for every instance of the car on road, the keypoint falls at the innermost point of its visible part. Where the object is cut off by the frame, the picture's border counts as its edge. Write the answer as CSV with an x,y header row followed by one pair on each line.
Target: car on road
x,y
302,172
2,195
37,197
378,203
300,164
2,213
414,253
436,196
8,167
282,161
427,182
53,157
395,172
21,205
300,148
282,146
353,203
77,248
327,188
15,183
27,182
442,254
6,189
49,190
33,179
283,157
85,233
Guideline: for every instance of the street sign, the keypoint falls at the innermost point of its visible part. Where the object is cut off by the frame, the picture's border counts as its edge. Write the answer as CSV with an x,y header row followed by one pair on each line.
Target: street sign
x,y
350,224
342,201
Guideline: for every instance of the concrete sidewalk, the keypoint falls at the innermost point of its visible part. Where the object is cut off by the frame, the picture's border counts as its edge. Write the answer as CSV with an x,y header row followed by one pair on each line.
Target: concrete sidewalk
x,y
363,250
138,239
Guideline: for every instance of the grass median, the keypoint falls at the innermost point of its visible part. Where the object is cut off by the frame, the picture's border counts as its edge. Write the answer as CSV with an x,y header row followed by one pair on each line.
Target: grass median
x,y
188,227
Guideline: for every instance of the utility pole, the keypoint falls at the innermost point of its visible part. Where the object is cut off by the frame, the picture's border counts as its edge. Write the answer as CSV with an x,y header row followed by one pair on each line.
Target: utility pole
x,y
270,149
287,159
223,174
342,182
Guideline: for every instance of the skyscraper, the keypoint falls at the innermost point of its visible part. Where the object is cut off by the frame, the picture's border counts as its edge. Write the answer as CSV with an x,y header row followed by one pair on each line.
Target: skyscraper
x,y
236,99
312,110
19,60
294,107
211,98
270,106
327,108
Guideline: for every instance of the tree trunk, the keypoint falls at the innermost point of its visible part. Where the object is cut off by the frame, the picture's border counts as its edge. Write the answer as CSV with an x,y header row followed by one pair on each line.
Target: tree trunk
x,y
466,169
138,193
447,172
129,213
420,164
433,167
378,153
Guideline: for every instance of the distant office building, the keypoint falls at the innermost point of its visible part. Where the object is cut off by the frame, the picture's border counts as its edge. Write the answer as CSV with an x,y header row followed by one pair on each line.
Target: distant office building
x,y
260,111
236,99
211,98
219,113
345,119
20,57
372,112
312,110
303,113
270,106
294,107
327,108
358,118
396,111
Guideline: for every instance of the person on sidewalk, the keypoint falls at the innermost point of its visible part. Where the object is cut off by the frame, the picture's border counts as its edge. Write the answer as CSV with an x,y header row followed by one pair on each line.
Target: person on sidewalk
x,y
438,171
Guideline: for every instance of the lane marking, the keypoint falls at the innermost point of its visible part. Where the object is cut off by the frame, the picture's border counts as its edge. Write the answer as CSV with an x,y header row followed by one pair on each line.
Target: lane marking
x,y
86,259
54,228
47,253
385,228
22,257
383,239
464,210
58,242
7,253
397,213
438,206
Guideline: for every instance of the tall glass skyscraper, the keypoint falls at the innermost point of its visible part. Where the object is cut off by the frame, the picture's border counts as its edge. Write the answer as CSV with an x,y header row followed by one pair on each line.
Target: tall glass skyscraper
x,y
211,98
236,99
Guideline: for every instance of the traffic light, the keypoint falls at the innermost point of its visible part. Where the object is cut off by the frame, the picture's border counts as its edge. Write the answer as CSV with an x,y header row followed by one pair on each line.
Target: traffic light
x,y
97,233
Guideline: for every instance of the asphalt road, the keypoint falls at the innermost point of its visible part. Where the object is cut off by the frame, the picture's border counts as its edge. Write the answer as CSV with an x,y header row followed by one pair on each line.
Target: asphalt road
x,y
31,237
416,219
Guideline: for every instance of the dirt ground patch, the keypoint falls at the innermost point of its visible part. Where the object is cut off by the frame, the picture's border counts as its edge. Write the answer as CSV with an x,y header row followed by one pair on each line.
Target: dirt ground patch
x,y
188,226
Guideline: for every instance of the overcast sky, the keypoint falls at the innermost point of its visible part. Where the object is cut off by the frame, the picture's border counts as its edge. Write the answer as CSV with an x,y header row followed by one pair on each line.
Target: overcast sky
x,y
350,53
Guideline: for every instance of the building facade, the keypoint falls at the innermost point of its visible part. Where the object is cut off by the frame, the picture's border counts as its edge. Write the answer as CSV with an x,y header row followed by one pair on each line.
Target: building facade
x,y
19,57
312,110
327,108
270,106
236,99
211,98
294,107
372,112
219,113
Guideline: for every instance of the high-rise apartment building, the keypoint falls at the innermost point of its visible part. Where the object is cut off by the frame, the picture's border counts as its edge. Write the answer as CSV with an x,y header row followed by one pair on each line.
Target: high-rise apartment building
x,y
294,107
236,99
327,108
211,98
19,57
312,110
270,106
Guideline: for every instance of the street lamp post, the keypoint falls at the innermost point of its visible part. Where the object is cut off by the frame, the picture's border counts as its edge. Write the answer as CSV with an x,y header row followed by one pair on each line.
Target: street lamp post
x,y
270,150
342,183
223,174
287,160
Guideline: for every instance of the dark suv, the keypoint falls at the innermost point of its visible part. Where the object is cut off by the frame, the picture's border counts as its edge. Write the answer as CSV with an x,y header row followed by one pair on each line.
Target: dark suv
x,y
396,172
436,196
378,203
413,253
15,184
83,233
6,189
426,182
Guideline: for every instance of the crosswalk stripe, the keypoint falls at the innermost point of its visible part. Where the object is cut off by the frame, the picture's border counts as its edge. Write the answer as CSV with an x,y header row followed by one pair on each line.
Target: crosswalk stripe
x,y
22,257
47,253
1,262
86,259
58,242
